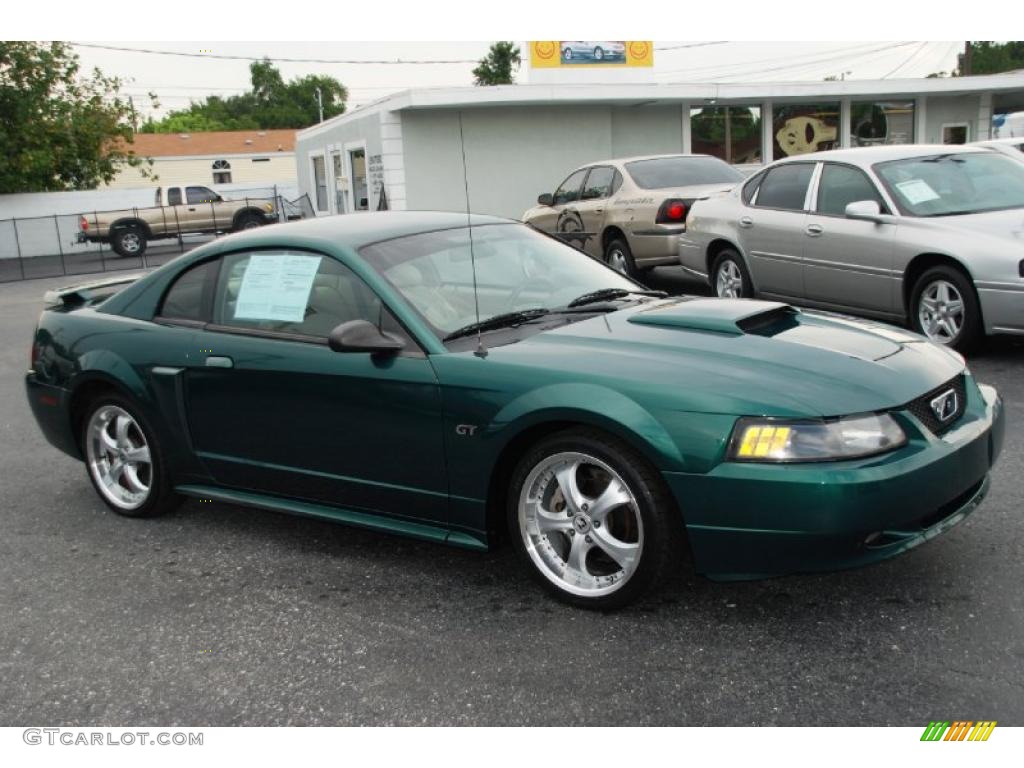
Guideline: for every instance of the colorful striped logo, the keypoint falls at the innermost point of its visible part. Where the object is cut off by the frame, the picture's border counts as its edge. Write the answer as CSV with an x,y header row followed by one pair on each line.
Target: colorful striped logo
x,y
960,730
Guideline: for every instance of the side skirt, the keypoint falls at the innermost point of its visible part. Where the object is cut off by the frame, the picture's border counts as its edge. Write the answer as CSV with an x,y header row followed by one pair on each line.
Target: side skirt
x,y
424,531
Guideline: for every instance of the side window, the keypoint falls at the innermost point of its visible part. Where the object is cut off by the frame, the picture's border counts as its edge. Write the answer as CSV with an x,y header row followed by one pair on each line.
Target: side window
x,y
599,183
174,195
186,298
841,185
293,292
569,191
785,187
196,195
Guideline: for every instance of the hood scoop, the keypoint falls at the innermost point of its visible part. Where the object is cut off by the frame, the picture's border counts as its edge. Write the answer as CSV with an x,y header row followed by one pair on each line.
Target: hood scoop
x,y
735,317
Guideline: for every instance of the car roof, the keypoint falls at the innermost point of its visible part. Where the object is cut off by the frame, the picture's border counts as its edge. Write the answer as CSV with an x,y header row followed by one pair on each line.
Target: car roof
x,y
356,230
1004,140
865,156
624,160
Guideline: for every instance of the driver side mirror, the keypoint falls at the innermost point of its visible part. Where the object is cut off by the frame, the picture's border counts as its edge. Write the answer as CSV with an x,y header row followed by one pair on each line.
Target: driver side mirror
x,y
363,336
546,199
866,210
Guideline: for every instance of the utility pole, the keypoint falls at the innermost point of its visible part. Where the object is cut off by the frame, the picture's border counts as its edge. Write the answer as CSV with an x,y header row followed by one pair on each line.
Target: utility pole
x,y
965,68
320,102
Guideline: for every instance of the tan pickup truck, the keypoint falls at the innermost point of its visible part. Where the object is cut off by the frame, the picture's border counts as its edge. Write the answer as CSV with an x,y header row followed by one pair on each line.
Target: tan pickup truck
x,y
187,210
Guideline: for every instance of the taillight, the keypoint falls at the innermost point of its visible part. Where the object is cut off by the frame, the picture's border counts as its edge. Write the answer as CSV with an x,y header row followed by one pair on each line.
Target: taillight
x,y
672,211
83,224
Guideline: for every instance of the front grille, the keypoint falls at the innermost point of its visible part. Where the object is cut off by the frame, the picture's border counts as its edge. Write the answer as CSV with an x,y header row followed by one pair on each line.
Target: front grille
x,y
922,406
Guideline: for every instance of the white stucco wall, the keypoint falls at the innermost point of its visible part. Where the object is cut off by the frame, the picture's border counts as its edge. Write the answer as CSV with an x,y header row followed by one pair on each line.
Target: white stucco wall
x,y
277,168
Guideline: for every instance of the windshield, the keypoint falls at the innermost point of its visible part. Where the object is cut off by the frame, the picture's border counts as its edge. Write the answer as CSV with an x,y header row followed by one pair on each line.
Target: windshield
x,y
663,172
517,268
955,183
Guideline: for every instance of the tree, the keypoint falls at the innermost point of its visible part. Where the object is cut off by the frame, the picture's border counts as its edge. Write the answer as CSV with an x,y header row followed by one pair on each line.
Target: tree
x,y
990,58
496,68
271,103
59,129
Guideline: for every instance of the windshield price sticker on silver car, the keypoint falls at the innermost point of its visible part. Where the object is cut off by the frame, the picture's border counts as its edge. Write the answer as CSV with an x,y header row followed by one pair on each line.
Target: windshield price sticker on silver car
x,y
917,191
276,287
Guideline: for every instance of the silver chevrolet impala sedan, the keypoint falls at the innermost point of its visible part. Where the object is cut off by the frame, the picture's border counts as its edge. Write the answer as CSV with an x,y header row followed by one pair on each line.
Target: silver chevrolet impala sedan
x,y
928,235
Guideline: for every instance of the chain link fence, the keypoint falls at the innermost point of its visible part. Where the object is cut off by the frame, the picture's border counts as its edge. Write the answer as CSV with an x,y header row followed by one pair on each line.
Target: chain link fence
x,y
48,246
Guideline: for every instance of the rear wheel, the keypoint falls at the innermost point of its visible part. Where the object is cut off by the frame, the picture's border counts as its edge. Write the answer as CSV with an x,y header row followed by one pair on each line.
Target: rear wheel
x,y
123,460
944,307
729,276
129,241
591,518
248,221
619,257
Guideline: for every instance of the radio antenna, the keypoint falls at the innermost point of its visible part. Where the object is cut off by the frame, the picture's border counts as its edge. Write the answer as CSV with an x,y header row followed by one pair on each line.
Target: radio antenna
x,y
480,351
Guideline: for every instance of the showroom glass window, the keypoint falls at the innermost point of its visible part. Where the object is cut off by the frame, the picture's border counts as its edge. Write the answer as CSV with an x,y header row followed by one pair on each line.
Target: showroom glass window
x,y
1007,116
881,122
799,129
841,185
785,187
730,133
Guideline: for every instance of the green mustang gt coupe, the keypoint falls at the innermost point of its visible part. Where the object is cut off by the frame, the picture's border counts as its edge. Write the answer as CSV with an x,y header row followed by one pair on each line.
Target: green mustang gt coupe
x,y
449,378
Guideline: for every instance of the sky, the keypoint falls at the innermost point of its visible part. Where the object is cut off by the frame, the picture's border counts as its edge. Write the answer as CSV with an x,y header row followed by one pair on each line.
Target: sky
x,y
177,80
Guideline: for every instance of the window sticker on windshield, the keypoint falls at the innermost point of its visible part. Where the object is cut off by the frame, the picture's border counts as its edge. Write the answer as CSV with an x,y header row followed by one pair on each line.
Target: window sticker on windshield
x,y
276,287
917,191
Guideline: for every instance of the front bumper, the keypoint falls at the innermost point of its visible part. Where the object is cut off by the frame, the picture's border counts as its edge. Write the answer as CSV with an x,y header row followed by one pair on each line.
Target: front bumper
x,y
748,520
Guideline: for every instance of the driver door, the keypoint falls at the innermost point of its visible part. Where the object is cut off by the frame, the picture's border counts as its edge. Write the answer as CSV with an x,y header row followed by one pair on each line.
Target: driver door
x,y
562,215
273,409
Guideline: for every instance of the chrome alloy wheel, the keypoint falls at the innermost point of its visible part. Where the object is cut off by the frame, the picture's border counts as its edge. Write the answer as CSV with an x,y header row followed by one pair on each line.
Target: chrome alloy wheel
x,y
941,311
617,261
581,524
729,281
118,457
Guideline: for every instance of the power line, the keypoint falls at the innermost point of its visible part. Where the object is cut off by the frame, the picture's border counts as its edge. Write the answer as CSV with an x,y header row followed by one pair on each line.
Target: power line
x,y
741,64
278,59
826,60
906,61
690,45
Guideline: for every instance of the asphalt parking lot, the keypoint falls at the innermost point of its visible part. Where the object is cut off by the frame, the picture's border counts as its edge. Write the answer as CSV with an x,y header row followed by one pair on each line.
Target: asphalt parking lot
x,y
223,615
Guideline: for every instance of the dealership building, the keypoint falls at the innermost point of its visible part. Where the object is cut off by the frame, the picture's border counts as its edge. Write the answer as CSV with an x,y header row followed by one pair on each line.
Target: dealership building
x,y
408,150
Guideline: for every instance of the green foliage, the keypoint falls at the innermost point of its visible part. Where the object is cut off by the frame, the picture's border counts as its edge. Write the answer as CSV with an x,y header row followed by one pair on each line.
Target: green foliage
x,y
59,129
271,103
990,58
498,66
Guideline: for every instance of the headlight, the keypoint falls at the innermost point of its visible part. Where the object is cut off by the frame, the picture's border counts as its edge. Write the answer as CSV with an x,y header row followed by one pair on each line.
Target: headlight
x,y
788,441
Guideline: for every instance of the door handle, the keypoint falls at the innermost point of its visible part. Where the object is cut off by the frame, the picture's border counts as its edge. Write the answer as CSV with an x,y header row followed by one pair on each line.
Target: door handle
x,y
746,222
219,361
814,230
599,210
191,209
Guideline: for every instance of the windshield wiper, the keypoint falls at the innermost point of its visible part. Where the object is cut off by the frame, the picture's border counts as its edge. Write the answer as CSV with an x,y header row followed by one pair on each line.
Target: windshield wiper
x,y
504,320
605,294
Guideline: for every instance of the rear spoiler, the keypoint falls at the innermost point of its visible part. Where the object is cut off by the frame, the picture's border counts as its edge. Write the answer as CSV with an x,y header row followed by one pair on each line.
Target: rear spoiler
x,y
76,295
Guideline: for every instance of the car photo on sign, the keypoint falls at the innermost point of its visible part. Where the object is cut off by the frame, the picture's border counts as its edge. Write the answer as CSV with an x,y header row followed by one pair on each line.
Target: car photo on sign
x,y
470,380
592,51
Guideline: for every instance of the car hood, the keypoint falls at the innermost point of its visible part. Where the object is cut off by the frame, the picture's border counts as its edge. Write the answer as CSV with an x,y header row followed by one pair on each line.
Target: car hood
x,y
742,357
1002,225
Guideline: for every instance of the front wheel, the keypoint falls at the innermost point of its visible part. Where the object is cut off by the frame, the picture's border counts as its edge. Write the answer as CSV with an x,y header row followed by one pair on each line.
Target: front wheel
x,y
944,307
123,459
591,518
729,276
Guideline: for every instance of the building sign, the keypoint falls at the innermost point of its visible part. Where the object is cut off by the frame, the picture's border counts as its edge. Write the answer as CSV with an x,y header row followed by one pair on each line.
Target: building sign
x,y
375,167
553,54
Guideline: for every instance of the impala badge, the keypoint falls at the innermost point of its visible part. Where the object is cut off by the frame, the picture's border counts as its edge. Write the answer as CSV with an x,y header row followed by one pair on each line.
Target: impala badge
x,y
945,405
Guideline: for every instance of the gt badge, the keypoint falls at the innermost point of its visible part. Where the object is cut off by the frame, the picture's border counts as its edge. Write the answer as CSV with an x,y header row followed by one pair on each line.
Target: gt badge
x,y
465,430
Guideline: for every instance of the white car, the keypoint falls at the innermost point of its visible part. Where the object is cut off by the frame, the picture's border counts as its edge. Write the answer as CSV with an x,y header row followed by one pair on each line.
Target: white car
x,y
1012,146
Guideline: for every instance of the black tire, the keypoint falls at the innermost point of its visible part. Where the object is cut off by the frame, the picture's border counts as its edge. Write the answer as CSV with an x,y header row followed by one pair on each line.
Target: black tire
x,y
971,327
129,240
161,497
728,259
248,220
662,540
619,256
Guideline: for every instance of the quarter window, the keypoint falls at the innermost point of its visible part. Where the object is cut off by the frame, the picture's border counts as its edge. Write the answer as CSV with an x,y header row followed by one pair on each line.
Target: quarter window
x,y
785,187
295,293
174,195
841,185
186,298
569,192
